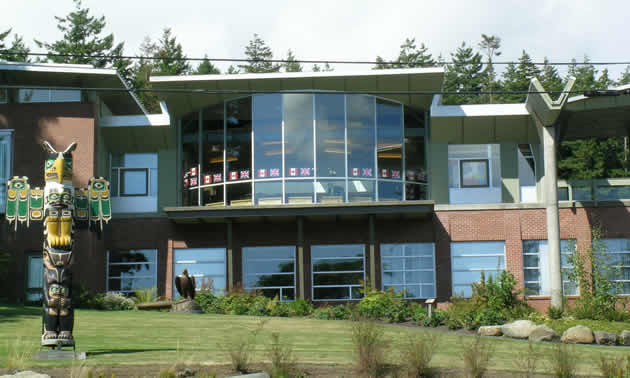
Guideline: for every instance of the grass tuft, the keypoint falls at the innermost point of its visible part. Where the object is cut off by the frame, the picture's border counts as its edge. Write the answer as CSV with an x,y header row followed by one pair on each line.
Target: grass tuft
x,y
368,339
19,353
561,361
417,353
477,356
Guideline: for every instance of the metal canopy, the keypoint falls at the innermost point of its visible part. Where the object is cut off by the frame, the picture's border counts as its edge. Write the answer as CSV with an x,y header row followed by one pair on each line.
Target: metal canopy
x,y
397,209
417,79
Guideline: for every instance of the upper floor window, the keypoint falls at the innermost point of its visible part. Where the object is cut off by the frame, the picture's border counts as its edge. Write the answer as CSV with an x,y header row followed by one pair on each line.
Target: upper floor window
x,y
474,173
134,182
4,98
5,164
526,173
49,95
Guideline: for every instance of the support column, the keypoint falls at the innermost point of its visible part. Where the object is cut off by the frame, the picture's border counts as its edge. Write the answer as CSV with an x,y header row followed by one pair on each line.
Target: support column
x,y
230,259
300,256
553,218
372,243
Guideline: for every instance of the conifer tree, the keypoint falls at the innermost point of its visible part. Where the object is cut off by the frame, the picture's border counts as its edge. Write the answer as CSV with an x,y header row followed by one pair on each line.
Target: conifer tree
x,y
206,67
292,65
232,70
463,75
585,75
517,78
170,58
490,45
550,79
19,51
604,81
625,77
410,56
325,68
258,56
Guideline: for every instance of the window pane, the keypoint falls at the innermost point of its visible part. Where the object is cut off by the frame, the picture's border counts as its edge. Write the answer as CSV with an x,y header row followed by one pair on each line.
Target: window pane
x,y
526,172
337,278
333,265
134,182
390,191
470,259
299,191
190,155
113,186
330,191
410,271
130,270
212,195
582,193
330,131
139,160
35,272
389,138
268,192
329,258
3,96
415,169
298,135
415,192
267,111
361,190
474,173
239,194
328,293
238,120
337,250
212,141
206,265
361,136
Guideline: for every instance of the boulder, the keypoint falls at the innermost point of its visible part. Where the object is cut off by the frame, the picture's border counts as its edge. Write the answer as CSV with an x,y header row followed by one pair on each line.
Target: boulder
x,y
543,333
578,335
186,306
605,338
490,331
624,338
519,329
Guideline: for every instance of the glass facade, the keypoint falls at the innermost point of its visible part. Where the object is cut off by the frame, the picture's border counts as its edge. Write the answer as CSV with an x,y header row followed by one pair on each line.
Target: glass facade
x,y
469,259
338,271
270,270
536,268
409,268
130,270
275,149
207,265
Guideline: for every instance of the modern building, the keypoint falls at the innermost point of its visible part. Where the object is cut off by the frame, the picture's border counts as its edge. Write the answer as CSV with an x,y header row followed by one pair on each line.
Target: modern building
x,y
305,185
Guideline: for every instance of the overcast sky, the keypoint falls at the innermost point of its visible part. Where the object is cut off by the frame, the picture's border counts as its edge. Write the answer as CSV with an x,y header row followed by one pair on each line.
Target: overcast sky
x,y
350,30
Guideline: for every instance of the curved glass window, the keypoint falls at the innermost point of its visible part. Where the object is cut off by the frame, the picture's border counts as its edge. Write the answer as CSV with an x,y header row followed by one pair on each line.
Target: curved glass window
x,y
292,148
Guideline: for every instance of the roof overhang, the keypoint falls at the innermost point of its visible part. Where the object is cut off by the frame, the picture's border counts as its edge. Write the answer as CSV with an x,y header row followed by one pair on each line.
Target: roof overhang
x,y
395,80
387,210
75,76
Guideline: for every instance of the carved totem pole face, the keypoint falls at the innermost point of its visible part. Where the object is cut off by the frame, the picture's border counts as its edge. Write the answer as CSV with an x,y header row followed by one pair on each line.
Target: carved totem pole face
x,y
59,197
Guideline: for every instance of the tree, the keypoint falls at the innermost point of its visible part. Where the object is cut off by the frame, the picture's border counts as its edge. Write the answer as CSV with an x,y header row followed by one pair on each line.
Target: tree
x,y
19,51
206,68
604,81
625,77
550,79
258,57
517,78
490,45
83,39
142,74
584,75
593,158
325,68
410,56
463,75
232,70
170,58
292,65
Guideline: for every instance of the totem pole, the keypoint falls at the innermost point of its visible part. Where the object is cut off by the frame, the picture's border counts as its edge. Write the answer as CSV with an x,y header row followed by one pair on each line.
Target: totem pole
x,y
61,207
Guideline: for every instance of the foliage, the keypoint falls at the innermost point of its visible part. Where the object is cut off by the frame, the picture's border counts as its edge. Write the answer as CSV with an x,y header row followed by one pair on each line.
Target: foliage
x,y
592,158
417,312
410,56
554,312
528,361
614,367
206,68
277,308
241,347
19,353
83,297
378,304
463,75
239,302
339,312
437,318
258,57
561,361
117,302
283,363
145,295
518,78
417,353
300,307
368,339
490,45
19,51
594,273
325,68
476,355
291,64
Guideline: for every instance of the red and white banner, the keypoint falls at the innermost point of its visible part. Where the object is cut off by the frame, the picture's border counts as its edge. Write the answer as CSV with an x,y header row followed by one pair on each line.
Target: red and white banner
x,y
355,171
193,171
293,171
245,175
305,171
385,173
395,174
216,177
262,173
193,181
274,172
185,183
233,175
366,172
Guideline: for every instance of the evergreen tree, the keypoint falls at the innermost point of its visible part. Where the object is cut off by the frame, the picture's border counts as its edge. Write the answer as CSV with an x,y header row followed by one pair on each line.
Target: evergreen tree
x,y
410,56
232,70
592,158
142,70
292,65
584,75
83,37
625,77
490,45
550,79
463,75
325,68
19,51
258,56
170,58
207,68
604,81
517,78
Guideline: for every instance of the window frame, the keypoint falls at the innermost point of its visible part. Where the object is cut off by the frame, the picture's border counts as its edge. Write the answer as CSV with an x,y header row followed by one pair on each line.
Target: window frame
x,y
461,172
562,267
608,253
121,181
135,250
4,99
403,258
175,294
33,290
8,165
349,286
294,273
495,269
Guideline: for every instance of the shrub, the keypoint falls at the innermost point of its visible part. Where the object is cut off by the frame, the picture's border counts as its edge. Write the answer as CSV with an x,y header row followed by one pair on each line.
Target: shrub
x,y
259,306
322,313
282,359
277,308
554,313
417,353
614,367
437,318
83,297
417,312
300,307
528,361
382,304
241,347
368,339
117,301
145,295
209,303
561,361
477,357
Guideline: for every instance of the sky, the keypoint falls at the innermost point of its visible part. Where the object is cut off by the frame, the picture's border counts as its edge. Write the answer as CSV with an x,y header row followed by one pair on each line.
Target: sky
x,y
351,29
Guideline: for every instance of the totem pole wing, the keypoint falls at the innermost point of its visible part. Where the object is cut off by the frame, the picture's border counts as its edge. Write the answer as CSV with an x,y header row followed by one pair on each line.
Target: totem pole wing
x,y
99,204
81,204
23,203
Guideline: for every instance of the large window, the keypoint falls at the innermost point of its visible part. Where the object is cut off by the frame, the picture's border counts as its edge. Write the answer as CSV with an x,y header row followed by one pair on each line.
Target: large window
x,y
134,181
5,165
526,173
337,271
207,265
270,270
536,267
614,255
4,98
474,173
469,259
49,95
409,267
131,270
35,277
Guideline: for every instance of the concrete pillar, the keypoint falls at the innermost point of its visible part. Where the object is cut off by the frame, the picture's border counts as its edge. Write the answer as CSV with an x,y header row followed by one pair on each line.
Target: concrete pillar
x,y
553,218
372,241
300,256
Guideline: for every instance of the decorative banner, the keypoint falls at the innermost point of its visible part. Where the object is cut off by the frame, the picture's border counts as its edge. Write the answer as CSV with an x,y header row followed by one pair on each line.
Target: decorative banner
x,y
274,172
355,171
233,175
186,183
384,173
366,172
207,179
395,174
411,176
193,181
262,173
245,175
293,171
305,171
193,171
216,177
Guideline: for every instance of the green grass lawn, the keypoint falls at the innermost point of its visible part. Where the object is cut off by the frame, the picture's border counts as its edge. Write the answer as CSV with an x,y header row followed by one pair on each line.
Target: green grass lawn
x,y
161,338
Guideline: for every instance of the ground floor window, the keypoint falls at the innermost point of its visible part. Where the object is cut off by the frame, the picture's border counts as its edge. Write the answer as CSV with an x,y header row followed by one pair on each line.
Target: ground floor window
x,y
207,265
129,270
35,278
337,271
615,257
536,267
270,270
409,267
469,259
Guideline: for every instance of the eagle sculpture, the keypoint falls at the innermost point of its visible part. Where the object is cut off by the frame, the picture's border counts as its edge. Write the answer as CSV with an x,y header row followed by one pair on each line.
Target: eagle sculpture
x,y
185,285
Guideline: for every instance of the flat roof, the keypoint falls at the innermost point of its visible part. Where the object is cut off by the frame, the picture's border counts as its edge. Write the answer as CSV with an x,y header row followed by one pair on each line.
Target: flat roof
x,y
394,80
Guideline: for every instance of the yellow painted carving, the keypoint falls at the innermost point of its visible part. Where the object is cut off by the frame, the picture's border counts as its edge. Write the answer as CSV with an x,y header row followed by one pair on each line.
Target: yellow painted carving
x,y
52,228
65,236
59,167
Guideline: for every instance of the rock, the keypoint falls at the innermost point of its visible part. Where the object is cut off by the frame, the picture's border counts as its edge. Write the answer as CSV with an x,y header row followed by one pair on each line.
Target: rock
x,y
519,329
543,333
490,331
26,374
578,335
186,306
624,338
605,338
188,372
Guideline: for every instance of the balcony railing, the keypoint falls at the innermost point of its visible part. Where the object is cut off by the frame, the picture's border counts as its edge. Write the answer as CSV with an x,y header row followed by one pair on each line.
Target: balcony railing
x,y
594,190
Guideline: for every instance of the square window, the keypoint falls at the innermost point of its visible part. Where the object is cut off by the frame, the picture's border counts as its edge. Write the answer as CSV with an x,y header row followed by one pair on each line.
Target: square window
x,y
134,182
474,173
410,268
129,270
337,271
